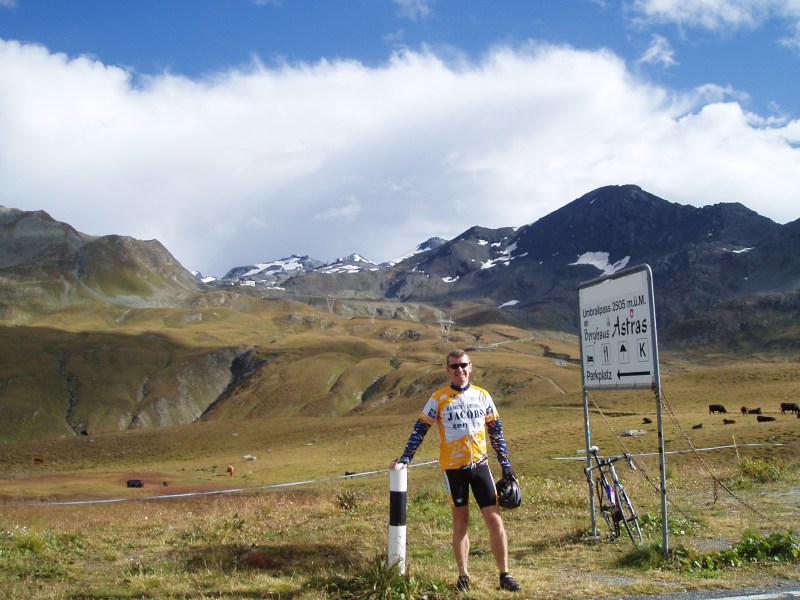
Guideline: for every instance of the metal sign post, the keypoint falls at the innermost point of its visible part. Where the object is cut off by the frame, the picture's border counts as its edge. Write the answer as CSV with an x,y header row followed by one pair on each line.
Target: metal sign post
x,y
619,350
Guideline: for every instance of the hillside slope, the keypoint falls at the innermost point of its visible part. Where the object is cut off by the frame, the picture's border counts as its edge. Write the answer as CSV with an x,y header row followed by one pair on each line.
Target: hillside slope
x,y
47,265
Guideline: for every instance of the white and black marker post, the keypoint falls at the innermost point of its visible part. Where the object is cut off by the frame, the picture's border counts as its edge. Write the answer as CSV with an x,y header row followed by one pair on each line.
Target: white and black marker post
x,y
398,482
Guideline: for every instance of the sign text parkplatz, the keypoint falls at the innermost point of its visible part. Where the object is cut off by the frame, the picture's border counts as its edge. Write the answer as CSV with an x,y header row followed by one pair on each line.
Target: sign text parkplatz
x,y
618,333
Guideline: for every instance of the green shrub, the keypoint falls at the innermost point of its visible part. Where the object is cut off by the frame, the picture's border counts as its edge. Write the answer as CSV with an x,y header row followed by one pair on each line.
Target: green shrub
x,y
378,581
756,470
776,547
676,524
348,500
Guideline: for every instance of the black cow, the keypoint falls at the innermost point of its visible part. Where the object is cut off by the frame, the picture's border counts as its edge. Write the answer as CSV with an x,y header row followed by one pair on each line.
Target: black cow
x,y
717,408
754,411
135,483
763,419
790,407
728,421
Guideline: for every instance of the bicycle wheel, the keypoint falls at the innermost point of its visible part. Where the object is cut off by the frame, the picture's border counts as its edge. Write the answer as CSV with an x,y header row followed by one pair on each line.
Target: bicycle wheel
x,y
627,515
610,515
607,511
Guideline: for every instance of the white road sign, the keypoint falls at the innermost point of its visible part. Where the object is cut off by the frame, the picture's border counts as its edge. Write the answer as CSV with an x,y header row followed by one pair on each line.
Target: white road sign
x,y
618,332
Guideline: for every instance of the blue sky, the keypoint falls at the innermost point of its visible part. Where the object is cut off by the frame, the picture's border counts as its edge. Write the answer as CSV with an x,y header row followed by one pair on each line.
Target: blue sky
x,y
243,131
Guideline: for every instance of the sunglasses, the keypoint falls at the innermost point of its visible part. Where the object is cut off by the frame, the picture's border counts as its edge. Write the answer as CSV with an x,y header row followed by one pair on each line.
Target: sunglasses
x,y
458,366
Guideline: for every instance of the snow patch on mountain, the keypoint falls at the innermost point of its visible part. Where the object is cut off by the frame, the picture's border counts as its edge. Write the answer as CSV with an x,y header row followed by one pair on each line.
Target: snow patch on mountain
x,y
353,263
600,260
429,244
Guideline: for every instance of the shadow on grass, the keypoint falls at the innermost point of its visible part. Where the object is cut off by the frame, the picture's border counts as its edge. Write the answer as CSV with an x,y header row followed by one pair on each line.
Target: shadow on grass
x,y
290,558
545,544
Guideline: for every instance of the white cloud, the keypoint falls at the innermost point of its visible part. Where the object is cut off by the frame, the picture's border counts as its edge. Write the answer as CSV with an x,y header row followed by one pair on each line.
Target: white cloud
x,y
8,3
718,14
415,10
347,211
792,40
659,52
337,157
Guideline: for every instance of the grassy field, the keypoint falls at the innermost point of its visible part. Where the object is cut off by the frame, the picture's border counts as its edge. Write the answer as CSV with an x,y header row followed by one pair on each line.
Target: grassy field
x,y
324,535
290,524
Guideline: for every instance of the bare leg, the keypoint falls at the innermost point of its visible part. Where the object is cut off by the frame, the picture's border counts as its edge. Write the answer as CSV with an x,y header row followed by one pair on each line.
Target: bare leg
x,y
461,537
497,536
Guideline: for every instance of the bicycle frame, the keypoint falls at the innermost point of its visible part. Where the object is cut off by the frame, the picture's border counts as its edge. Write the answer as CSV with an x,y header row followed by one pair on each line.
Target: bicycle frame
x,y
614,504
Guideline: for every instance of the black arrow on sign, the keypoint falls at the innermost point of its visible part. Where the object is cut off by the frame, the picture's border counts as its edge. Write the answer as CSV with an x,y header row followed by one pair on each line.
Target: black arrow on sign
x,y
632,374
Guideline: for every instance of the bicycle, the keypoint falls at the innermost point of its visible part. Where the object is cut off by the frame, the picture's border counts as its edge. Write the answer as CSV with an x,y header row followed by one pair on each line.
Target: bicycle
x,y
615,505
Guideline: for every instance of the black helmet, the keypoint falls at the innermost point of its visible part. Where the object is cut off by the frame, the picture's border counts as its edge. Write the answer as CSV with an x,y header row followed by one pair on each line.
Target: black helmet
x,y
508,493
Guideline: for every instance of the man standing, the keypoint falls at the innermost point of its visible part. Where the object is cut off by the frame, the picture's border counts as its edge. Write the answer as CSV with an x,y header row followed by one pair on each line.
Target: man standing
x,y
465,414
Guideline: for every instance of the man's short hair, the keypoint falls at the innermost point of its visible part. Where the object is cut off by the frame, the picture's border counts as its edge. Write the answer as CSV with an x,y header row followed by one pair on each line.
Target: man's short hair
x,y
457,353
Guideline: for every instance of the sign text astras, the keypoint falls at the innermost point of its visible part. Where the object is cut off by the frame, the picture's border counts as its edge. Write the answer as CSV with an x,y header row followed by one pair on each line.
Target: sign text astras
x,y
619,327
617,331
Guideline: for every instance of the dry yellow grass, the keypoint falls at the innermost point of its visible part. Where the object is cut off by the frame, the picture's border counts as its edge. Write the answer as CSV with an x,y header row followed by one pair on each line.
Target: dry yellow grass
x,y
328,528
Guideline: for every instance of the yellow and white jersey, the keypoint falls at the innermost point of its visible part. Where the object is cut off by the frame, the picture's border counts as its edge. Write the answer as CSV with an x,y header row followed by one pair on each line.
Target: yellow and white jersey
x,y
462,417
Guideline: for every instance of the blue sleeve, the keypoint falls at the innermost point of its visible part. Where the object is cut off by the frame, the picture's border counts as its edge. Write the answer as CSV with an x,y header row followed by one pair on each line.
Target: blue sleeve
x,y
414,442
495,430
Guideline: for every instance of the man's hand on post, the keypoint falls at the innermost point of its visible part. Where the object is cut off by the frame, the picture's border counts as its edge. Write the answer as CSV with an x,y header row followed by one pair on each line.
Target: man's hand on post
x,y
403,460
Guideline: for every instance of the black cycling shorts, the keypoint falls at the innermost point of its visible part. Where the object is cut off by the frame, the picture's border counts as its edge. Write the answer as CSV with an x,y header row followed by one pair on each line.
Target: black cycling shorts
x,y
460,481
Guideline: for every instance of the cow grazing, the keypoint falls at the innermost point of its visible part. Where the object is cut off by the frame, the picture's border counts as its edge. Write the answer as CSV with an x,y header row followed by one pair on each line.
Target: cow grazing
x,y
717,408
134,483
230,470
753,411
763,419
728,421
790,407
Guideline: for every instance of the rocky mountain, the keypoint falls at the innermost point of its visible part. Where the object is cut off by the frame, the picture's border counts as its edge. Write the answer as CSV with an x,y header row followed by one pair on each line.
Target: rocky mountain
x,y
272,273
108,333
48,264
275,272
701,259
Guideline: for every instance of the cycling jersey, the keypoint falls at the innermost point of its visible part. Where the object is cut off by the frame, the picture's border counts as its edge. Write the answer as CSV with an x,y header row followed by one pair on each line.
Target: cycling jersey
x,y
464,416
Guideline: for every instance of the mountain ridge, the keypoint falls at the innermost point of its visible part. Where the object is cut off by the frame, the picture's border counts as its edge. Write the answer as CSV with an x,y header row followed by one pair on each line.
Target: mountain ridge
x,y
109,332
701,258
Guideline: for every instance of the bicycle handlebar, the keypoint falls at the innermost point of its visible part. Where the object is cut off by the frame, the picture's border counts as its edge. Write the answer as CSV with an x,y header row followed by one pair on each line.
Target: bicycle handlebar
x,y
607,460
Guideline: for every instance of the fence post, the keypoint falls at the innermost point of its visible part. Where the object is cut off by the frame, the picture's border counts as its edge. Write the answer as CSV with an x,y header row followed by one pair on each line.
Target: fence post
x,y
398,481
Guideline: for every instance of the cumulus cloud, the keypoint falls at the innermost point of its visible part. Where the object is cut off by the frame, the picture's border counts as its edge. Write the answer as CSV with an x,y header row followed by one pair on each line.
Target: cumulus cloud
x,y
337,157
